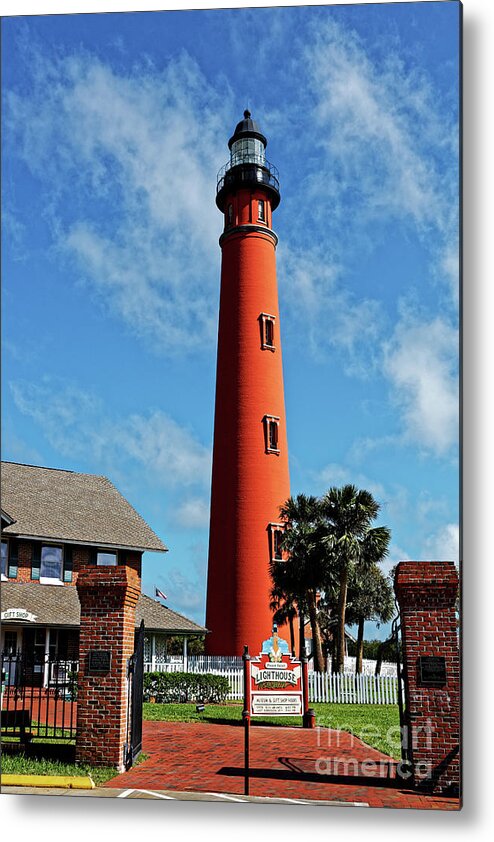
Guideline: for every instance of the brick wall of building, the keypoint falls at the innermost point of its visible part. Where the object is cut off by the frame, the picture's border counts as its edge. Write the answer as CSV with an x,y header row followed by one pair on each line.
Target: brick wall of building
x,y
426,593
81,558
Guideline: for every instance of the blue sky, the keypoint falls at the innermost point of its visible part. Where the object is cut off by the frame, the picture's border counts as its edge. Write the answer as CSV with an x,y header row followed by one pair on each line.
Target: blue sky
x,y
114,127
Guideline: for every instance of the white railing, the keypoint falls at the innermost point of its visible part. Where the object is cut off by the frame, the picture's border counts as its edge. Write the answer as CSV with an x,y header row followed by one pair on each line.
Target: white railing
x,y
193,663
209,663
368,666
323,686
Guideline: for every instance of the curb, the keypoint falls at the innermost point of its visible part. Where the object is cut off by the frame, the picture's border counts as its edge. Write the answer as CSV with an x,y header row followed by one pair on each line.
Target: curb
x,y
60,781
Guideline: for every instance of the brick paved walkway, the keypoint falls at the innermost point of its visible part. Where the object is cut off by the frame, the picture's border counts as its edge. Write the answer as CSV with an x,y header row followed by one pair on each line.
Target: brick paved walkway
x,y
285,762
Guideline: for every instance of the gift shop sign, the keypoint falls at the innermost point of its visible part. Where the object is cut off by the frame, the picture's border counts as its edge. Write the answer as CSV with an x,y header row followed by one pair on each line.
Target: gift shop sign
x,y
275,687
18,614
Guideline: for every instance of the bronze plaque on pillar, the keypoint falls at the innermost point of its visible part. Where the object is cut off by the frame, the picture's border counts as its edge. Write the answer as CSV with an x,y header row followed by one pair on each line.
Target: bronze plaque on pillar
x,y
432,670
99,660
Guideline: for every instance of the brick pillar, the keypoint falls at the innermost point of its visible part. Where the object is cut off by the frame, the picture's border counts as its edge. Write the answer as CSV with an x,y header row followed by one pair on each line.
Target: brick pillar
x,y
426,592
108,597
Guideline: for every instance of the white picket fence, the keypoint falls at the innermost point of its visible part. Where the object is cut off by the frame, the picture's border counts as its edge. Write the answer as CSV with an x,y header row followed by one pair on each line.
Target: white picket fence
x,y
323,686
343,688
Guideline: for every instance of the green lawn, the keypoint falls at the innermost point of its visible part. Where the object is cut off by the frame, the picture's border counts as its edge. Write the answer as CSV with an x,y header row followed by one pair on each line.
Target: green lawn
x,y
376,725
19,764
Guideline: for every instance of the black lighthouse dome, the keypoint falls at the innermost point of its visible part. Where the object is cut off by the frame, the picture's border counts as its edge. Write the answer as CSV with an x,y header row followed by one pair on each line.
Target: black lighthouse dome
x,y
247,163
247,128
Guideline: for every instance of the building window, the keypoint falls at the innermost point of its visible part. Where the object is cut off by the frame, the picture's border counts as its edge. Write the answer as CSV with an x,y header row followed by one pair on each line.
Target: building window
x,y
106,559
229,215
5,559
271,430
261,210
51,567
266,322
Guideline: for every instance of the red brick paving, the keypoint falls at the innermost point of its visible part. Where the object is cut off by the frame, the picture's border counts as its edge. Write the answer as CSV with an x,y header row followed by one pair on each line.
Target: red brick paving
x,y
202,757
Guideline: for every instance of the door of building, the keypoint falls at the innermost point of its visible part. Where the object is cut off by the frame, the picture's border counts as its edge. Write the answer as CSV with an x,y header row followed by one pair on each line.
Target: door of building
x,y
33,646
10,657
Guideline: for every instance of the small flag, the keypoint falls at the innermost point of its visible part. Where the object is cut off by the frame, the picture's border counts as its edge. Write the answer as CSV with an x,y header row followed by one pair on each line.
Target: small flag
x,y
159,593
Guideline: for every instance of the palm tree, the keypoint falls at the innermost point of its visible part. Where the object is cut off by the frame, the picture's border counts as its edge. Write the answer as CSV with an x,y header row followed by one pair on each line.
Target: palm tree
x,y
327,614
285,609
350,541
370,597
301,576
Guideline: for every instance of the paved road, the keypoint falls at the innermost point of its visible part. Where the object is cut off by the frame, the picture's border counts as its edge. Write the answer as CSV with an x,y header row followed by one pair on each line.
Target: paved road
x,y
170,795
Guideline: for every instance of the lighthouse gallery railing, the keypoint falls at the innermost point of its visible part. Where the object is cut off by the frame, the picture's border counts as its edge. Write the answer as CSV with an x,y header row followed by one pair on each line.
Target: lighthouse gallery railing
x,y
249,168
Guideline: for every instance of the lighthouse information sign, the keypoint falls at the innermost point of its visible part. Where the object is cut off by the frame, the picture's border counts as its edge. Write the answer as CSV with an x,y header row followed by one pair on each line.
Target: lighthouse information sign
x,y
275,687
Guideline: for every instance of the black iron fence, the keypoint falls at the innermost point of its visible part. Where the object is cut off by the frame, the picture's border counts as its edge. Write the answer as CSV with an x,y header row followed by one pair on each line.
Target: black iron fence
x,y
39,697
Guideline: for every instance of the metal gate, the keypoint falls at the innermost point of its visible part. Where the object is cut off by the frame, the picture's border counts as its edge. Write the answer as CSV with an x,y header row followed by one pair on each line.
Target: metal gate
x,y
39,697
135,675
404,767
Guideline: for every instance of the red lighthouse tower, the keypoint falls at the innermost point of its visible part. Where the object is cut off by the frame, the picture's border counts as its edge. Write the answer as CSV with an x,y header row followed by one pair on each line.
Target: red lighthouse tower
x,y
250,457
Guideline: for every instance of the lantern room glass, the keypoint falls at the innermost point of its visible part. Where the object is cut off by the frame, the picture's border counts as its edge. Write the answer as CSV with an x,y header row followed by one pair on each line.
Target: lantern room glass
x,y
247,150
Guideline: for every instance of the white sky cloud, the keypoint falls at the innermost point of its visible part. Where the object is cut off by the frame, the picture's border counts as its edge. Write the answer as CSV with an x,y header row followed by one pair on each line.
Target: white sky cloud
x,y
444,544
420,362
311,288
193,513
384,135
396,554
164,447
186,588
124,156
73,422
139,153
334,474
146,145
128,163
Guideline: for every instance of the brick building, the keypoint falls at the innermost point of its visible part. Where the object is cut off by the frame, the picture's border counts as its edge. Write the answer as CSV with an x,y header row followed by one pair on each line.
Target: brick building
x,y
54,524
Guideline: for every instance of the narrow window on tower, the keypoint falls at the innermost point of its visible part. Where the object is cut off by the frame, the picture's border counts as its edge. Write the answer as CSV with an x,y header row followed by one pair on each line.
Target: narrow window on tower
x,y
229,215
273,435
267,331
276,531
271,430
261,210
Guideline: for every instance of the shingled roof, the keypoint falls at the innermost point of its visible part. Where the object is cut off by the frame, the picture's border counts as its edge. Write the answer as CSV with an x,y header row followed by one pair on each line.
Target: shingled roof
x,y
56,605
67,506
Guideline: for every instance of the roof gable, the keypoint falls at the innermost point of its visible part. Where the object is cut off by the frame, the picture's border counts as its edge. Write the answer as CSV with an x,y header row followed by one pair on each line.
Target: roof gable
x,y
63,505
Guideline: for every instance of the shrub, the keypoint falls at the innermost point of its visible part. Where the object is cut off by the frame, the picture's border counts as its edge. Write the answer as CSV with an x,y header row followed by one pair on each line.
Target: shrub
x,y
185,687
